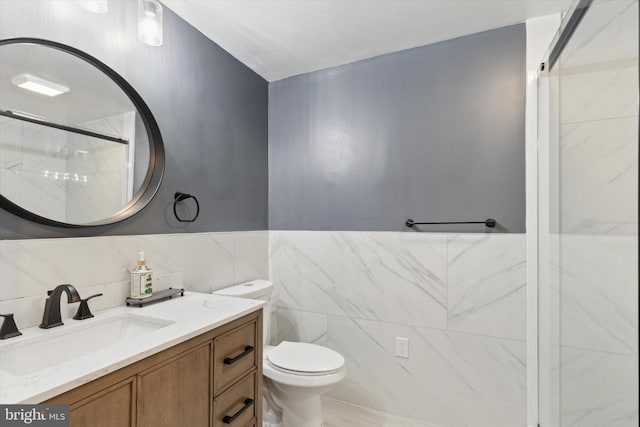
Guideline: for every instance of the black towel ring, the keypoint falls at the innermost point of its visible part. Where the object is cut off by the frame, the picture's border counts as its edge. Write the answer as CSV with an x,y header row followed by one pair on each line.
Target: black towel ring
x,y
179,197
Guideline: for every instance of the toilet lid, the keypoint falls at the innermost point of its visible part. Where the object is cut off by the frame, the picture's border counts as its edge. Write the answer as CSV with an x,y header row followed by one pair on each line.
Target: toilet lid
x,y
303,357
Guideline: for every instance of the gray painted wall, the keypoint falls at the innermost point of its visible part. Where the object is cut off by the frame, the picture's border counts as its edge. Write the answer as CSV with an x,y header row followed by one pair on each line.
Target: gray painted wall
x,y
432,133
211,109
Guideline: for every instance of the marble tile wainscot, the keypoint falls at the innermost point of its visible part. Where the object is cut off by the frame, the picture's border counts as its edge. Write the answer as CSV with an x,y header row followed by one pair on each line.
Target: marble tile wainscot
x,y
200,262
459,298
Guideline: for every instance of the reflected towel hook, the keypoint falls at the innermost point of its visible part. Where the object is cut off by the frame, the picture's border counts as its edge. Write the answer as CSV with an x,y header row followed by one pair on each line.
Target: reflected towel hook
x,y
179,197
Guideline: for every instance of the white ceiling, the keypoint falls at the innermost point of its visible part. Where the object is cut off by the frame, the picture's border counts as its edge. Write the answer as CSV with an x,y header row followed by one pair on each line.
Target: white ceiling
x,y
282,38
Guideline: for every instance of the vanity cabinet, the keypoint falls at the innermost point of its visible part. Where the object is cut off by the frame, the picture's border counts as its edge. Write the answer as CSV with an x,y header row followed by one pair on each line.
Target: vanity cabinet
x,y
182,385
213,380
111,407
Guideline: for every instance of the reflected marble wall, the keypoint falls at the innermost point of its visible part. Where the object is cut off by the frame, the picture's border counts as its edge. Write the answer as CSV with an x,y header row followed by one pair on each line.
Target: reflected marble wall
x,y
32,166
459,298
99,170
58,174
201,261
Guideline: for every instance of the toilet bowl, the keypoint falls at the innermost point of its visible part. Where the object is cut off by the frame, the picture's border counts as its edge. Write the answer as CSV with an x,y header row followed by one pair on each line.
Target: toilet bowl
x,y
296,374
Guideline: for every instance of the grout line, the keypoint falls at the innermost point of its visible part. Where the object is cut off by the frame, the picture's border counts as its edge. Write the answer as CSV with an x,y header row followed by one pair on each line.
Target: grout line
x,y
446,250
408,325
604,119
593,350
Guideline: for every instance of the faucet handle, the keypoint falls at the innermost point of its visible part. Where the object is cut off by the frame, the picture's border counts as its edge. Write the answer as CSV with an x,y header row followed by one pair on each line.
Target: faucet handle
x,y
83,310
9,328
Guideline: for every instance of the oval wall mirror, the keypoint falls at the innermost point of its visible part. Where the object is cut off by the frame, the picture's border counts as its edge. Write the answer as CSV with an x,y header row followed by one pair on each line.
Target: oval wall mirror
x,y
78,145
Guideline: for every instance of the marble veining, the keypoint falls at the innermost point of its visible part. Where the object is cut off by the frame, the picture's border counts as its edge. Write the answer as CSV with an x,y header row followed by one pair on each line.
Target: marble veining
x,y
598,295
394,277
251,256
446,371
487,280
49,165
598,389
203,262
602,91
588,289
599,78
299,326
607,32
459,298
603,199
338,413
25,188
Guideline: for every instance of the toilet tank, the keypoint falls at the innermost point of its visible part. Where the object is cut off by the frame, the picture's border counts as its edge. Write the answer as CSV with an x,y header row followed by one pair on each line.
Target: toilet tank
x,y
255,289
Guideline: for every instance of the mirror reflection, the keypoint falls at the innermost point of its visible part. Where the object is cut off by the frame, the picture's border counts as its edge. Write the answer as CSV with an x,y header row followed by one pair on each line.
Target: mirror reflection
x,y
73,148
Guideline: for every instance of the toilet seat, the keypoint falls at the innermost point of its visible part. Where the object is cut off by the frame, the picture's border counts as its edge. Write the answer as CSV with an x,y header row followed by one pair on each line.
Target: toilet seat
x,y
300,378
301,373
298,358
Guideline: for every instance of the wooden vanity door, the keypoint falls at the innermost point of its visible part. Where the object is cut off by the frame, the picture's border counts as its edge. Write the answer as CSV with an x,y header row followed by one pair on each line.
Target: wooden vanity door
x,y
112,407
177,392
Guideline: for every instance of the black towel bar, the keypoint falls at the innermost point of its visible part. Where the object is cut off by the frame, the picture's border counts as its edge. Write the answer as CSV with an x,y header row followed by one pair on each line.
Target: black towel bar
x,y
490,222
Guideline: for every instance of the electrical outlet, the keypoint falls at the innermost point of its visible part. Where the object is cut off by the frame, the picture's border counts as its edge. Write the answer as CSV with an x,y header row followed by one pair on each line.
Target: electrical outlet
x,y
402,347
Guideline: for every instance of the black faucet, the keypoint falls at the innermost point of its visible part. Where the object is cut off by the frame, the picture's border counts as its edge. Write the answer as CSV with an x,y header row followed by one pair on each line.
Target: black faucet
x,y
52,317
8,328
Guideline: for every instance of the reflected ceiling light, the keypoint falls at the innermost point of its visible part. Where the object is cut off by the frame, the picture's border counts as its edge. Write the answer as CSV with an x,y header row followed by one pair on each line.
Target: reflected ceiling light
x,y
94,6
150,22
41,86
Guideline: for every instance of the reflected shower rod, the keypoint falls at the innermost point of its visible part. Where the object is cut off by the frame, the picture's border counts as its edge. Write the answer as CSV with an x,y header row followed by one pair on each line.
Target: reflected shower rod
x,y
489,222
80,131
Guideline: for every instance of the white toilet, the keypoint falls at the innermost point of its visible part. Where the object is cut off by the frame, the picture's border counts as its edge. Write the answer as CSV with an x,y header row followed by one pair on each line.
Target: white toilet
x,y
296,374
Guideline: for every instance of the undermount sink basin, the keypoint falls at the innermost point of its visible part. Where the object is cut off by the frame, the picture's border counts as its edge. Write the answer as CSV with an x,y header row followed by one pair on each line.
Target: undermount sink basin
x,y
53,347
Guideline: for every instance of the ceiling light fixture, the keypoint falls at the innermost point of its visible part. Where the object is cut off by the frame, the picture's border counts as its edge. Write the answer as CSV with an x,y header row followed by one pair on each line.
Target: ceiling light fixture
x,y
150,22
94,6
41,86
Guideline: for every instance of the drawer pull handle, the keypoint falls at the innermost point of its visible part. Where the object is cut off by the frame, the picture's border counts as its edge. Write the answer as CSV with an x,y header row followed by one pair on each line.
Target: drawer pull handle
x,y
229,419
231,360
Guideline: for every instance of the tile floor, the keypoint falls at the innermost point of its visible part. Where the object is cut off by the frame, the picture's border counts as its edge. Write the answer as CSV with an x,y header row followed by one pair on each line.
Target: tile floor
x,y
338,413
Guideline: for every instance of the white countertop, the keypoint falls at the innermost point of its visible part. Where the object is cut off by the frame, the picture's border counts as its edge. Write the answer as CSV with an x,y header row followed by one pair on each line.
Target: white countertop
x,y
191,315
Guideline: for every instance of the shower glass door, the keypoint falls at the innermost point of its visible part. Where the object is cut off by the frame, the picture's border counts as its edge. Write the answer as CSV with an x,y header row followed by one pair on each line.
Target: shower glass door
x,y
588,219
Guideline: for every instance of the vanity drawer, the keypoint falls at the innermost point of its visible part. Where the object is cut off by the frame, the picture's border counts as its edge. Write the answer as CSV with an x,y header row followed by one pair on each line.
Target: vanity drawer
x,y
235,354
236,407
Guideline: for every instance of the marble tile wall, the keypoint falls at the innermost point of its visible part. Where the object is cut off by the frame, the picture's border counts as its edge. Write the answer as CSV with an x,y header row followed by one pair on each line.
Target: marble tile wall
x,y
589,305
200,262
599,123
589,333
459,298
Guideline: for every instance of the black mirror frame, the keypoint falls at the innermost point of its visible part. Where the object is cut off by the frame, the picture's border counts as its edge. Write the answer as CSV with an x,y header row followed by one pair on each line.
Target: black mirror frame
x,y
155,171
